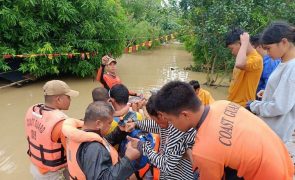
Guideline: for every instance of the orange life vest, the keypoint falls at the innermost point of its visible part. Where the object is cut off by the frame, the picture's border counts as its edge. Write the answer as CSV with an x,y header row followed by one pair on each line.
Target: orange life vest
x,y
75,138
111,80
235,139
156,171
43,152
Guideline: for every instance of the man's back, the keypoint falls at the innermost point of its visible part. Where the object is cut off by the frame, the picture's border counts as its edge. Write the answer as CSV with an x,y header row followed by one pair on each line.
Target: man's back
x,y
232,137
205,97
43,132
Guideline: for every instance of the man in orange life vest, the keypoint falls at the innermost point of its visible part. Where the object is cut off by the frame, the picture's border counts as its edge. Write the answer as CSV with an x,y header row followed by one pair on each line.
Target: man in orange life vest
x,y
90,155
231,142
43,124
110,78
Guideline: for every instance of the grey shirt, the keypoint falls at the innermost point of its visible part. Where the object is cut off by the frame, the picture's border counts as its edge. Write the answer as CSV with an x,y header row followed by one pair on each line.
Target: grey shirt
x,y
96,163
277,107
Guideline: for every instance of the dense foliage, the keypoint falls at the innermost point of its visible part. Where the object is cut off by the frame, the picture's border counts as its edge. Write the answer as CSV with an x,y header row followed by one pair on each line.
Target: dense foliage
x,y
100,27
75,26
148,19
61,26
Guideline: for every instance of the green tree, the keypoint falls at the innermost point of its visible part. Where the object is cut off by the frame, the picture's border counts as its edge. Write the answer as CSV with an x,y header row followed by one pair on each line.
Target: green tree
x,y
207,22
148,19
58,26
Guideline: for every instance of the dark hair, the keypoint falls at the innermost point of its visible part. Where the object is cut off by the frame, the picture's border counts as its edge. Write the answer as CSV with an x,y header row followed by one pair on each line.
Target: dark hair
x,y
99,110
100,94
255,40
195,84
120,93
151,107
175,97
233,36
276,31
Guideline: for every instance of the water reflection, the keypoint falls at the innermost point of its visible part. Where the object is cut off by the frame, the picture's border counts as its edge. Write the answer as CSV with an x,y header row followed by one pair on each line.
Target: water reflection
x,y
6,163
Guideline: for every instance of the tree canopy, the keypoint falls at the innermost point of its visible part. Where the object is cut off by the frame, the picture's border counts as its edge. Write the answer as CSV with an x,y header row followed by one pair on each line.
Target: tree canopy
x,y
206,22
74,26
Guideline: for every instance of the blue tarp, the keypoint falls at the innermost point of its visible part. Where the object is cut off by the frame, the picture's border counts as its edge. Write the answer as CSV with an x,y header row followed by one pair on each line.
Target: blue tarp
x,y
12,76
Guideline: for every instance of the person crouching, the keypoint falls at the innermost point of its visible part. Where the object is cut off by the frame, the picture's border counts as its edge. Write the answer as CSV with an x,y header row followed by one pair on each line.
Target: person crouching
x,y
90,155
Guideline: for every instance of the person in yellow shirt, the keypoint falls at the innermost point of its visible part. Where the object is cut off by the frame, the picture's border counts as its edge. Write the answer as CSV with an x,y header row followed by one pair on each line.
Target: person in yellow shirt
x,y
248,67
202,94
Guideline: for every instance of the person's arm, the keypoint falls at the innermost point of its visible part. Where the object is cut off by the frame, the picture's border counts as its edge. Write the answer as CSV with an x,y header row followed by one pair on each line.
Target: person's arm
x,y
132,93
99,77
116,137
57,135
148,125
282,101
241,59
96,163
174,151
165,162
254,62
122,112
100,72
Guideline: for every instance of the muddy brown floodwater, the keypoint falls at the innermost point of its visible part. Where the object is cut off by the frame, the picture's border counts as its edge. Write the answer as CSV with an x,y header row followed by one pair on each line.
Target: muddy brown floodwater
x,y
141,72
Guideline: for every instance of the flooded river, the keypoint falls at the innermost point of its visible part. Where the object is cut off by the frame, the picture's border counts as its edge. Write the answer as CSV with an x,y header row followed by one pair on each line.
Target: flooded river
x,y
141,72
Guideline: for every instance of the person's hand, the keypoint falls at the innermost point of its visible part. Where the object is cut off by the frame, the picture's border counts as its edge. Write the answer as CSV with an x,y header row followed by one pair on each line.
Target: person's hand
x,y
260,93
133,141
245,38
129,126
105,59
140,95
132,153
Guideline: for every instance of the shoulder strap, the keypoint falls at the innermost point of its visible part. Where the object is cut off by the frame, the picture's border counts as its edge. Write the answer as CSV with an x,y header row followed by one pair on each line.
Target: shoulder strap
x,y
203,117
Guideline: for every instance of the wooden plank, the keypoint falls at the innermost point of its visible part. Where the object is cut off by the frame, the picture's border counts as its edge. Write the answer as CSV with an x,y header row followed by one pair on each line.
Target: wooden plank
x,y
15,83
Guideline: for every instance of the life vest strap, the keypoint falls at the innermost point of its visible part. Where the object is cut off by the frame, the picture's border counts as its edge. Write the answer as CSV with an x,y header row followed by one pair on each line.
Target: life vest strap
x,y
42,108
52,163
203,117
137,175
43,149
71,177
